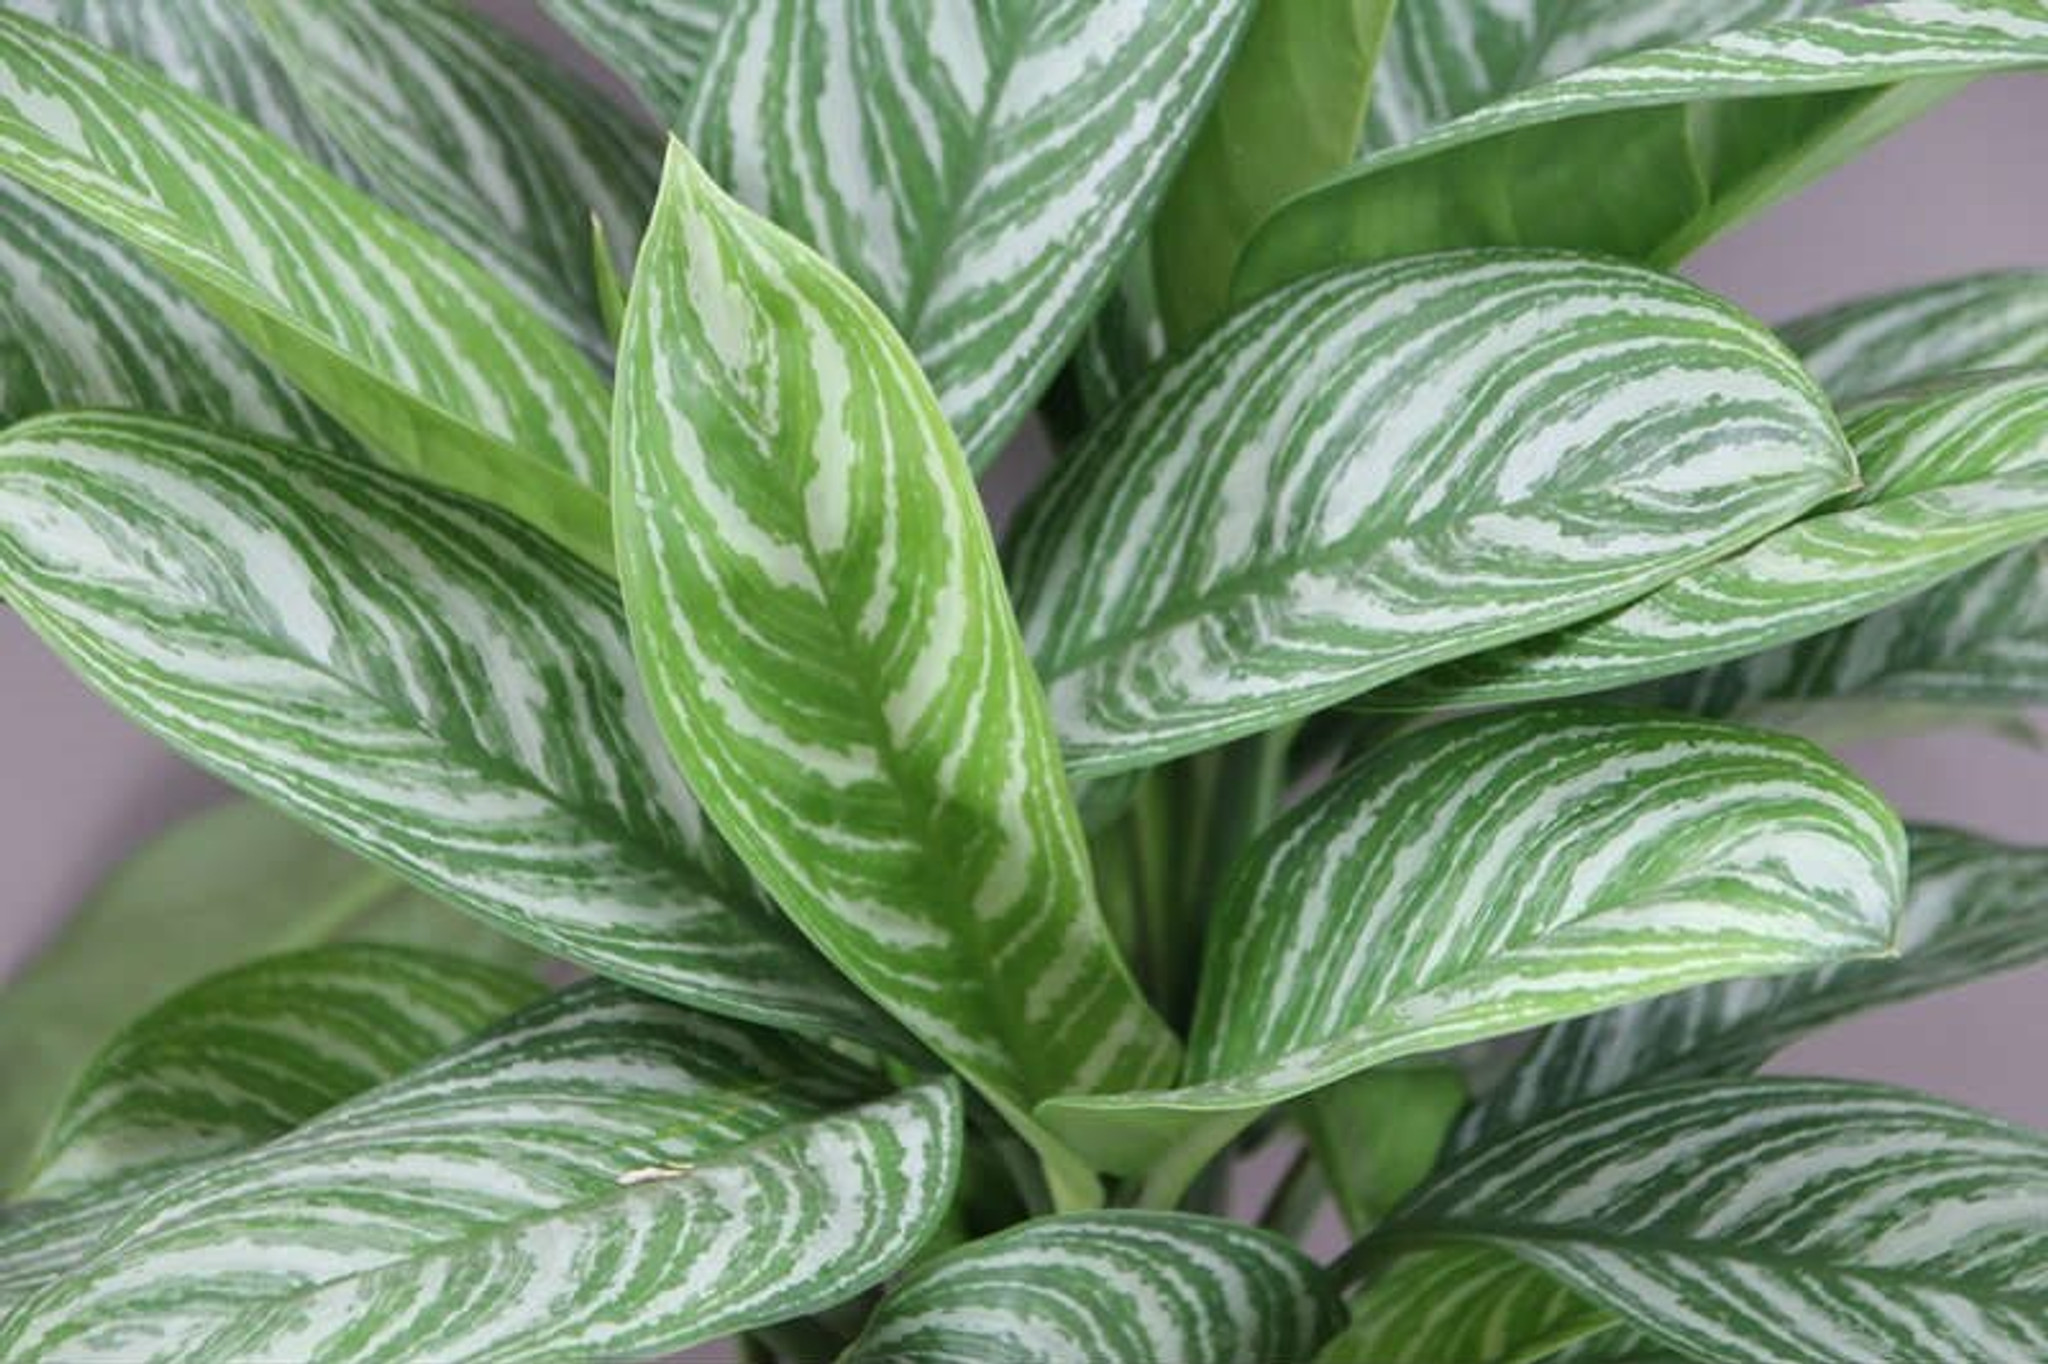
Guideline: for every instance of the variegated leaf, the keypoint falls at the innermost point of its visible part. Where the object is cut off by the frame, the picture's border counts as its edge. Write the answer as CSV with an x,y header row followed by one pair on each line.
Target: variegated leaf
x,y
1489,874
1111,1288
1383,468
1993,321
656,46
432,362
1662,150
1472,1304
1951,479
604,1175
1758,1221
467,131
1973,908
981,172
823,629
422,678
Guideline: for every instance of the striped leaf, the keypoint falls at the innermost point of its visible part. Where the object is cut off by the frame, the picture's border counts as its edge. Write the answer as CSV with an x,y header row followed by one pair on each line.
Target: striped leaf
x,y
1111,1288
1973,908
1383,468
1991,321
656,46
1663,150
467,131
221,888
981,172
603,1176
250,1053
1472,1304
423,679
1950,479
823,630
1446,58
420,352
1505,870
1768,1220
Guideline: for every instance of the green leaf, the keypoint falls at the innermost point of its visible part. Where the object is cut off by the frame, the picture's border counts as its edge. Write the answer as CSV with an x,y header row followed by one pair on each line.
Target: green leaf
x,y
250,1053
824,632
423,679
465,130
1950,479
603,1176
1111,1288
1973,908
1649,156
1916,336
420,352
1288,114
1506,870
1382,468
656,46
1768,1220
607,282
1376,1136
981,172
1446,58
1472,1304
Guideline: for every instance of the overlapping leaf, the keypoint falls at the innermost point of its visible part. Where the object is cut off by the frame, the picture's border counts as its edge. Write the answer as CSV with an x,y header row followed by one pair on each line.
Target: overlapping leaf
x,y
1991,321
1766,1220
605,1175
979,171
1648,156
1483,876
1383,468
1111,1288
824,632
1472,1304
417,350
1376,1136
656,46
424,679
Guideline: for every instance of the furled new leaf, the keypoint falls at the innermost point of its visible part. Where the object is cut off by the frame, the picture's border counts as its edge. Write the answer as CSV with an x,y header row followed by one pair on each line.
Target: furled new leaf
x,y
1382,468
1758,1221
980,171
656,46
1505,870
422,678
420,352
1648,156
603,1176
823,629
1472,1304
1112,1288
1992,321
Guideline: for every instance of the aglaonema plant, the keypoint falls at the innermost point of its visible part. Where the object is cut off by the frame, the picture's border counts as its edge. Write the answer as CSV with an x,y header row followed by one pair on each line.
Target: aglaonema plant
x,y
697,885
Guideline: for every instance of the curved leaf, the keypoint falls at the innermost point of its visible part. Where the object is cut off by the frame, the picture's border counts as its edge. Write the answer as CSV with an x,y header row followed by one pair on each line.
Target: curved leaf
x,y
1472,1304
1950,480
980,171
1383,468
1375,1136
423,679
432,362
604,1175
823,630
1972,908
1660,151
1111,1288
1505,870
1990,321
1766,1220
656,46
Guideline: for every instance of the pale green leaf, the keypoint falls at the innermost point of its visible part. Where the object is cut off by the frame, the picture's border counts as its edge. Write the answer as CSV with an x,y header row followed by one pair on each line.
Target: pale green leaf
x,y
1376,1136
603,1176
1110,1288
656,46
1505,870
1759,1221
1934,331
1383,468
1472,1304
824,632
607,282
420,677
419,351
980,171
1649,156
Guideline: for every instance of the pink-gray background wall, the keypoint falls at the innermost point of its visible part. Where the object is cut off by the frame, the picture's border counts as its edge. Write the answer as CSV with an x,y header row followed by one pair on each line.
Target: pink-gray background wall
x,y
1965,189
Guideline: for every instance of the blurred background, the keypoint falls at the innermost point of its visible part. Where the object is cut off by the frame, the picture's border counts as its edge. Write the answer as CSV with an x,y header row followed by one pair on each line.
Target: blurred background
x,y
1965,189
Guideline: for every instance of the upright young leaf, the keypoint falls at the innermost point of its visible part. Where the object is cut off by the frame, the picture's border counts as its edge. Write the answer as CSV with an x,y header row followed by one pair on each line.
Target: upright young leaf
x,y
980,171
1758,1221
1660,151
433,363
656,46
1381,468
1111,1288
424,679
1482,876
824,632
1991,321
603,1176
